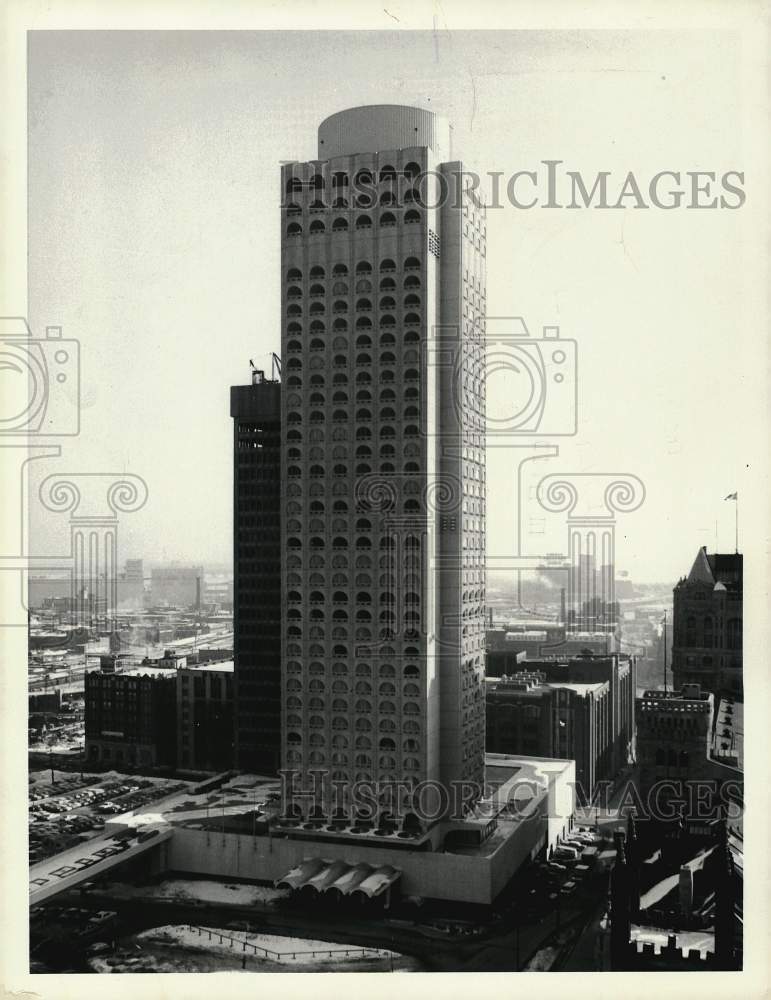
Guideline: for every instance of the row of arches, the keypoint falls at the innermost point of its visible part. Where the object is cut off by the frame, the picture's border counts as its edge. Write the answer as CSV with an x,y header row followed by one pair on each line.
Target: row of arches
x,y
318,272
412,196
410,300
340,225
364,560
363,401
362,669
411,283
363,178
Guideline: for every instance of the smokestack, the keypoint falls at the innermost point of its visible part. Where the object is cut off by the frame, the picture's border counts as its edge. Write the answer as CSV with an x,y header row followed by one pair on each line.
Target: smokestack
x,y
562,606
198,593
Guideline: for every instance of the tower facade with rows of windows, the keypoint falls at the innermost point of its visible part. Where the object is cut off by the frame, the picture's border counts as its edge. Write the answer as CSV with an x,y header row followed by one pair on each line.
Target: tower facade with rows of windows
x,y
383,483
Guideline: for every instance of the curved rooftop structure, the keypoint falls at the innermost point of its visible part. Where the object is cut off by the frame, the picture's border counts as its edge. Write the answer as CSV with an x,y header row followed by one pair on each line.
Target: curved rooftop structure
x,y
374,127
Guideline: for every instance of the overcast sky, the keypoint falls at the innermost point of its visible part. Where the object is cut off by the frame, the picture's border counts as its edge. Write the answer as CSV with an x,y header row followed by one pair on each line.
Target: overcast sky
x,y
154,240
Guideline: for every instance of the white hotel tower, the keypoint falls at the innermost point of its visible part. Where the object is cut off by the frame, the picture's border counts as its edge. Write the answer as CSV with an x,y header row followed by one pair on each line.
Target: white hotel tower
x,y
383,527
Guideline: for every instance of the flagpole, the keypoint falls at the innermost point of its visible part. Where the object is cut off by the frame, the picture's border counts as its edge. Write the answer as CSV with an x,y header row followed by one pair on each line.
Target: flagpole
x,y
736,522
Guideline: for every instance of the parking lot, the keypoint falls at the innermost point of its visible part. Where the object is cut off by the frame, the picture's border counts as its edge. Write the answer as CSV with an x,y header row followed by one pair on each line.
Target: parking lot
x,y
74,808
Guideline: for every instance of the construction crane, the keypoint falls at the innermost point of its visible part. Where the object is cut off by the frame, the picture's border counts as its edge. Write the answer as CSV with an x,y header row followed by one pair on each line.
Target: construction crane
x,y
258,375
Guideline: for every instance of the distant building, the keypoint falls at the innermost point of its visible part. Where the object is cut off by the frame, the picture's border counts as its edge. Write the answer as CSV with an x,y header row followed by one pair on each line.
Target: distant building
x,y
257,590
207,653
678,741
530,716
171,660
131,585
219,593
46,701
43,588
674,733
619,671
707,641
179,586
505,645
131,718
205,734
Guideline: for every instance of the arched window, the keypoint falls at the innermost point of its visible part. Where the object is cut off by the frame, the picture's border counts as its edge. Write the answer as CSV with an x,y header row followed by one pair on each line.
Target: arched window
x,y
294,229
387,219
317,226
363,222
340,226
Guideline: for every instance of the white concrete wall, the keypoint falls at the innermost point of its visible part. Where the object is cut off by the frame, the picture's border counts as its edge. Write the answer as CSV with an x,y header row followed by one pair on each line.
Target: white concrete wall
x,y
458,877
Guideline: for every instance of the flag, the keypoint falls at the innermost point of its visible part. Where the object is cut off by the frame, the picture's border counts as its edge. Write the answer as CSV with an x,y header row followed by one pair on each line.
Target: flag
x,y
732,496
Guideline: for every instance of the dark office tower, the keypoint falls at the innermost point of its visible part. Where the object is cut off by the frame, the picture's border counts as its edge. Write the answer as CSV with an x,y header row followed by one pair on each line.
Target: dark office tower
x,y
256,413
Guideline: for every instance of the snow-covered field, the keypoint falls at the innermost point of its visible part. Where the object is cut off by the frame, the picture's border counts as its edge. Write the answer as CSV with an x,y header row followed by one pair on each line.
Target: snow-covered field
x,y
205,891
295,951
182,948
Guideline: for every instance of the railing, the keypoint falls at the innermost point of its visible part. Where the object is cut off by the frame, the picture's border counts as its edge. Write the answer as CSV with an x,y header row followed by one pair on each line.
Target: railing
x,y
280,956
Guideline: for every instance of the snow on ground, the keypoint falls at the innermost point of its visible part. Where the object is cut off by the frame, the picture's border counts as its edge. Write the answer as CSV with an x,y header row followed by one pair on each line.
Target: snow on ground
x,y
703,940
207,891
659,891
287,950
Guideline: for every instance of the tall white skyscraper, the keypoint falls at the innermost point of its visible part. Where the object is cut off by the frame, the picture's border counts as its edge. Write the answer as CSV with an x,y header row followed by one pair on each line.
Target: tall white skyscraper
x,y
383,527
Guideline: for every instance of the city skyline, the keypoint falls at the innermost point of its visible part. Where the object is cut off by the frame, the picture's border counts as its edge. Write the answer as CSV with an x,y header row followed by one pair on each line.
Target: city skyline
x,y
136,341
444,351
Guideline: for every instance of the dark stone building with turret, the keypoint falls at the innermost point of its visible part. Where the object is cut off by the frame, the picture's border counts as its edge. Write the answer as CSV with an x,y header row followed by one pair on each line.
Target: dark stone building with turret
x,y
707,643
